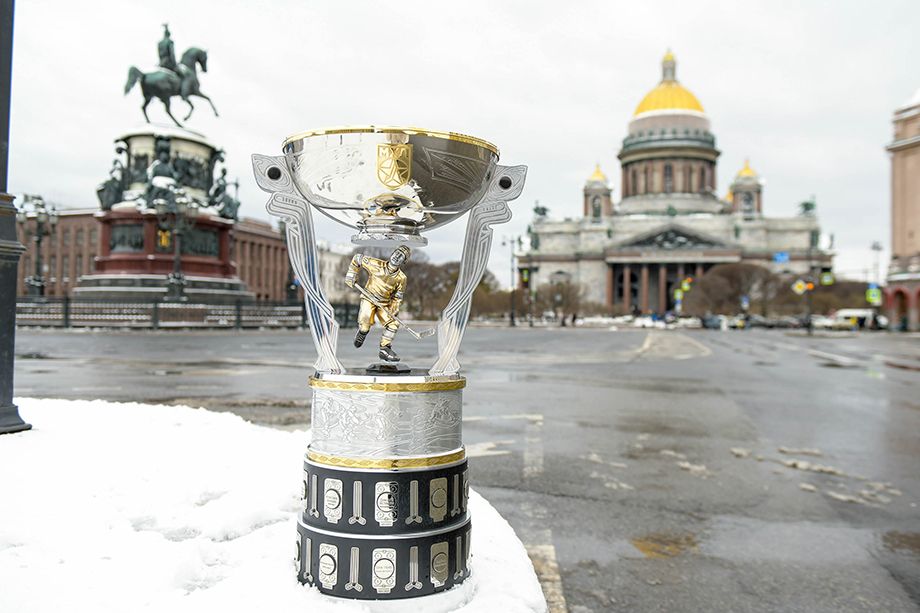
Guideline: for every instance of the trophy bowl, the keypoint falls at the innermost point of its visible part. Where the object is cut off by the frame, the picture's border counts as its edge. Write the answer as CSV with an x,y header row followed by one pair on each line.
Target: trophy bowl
x,y
390,183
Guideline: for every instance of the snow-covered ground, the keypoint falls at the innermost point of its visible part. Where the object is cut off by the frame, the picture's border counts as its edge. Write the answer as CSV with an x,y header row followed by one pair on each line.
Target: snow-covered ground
x,y
131,507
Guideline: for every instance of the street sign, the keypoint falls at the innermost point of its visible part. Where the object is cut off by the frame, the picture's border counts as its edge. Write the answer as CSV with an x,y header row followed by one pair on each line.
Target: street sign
x,y
799,287
827,278
678,294
685,285
873,286
874,296
745,303
781,257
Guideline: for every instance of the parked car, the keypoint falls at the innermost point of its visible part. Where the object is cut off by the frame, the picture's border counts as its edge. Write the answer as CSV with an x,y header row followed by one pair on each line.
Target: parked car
x,y
715,322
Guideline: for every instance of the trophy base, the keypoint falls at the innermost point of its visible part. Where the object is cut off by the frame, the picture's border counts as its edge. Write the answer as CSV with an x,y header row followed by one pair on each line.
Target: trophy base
x,y
383,533
385,485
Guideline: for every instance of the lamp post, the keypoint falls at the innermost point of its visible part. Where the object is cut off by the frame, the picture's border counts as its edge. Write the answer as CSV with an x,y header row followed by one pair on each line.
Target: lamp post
x,y
178,216
45,218
512,242
10,247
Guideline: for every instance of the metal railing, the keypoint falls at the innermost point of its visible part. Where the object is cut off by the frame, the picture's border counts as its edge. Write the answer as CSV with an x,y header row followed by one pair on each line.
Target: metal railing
x,y
158,314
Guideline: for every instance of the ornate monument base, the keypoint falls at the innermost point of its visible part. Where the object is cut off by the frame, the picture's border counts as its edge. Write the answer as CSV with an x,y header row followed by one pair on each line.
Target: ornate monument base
x,y
385,486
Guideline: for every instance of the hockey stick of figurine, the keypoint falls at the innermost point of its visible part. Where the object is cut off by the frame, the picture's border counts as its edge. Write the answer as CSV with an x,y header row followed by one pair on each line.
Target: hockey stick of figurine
x,y
418,335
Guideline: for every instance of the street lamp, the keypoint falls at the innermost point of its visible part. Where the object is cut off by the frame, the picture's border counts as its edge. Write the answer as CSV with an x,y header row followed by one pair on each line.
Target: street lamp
x,y
512,242
178,216
46,218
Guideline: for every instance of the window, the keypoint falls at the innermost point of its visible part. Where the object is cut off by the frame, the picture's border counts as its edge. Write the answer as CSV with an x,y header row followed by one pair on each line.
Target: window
x,y
645,186
703,179
78,238
65,267
65,237
92,236
668,178
596,207
632,183
78,265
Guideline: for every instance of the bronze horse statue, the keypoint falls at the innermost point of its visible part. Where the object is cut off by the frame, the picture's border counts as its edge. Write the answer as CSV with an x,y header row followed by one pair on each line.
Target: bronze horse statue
x,y
164,83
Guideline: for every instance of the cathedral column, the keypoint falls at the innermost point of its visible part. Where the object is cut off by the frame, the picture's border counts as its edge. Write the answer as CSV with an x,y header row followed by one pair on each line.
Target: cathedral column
x,y
627,288
680,273
699,270
611,284
662,288
643,289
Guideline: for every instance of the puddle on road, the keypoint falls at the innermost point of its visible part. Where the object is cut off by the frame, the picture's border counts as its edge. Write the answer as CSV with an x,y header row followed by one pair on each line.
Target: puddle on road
x,y
659,545
902,542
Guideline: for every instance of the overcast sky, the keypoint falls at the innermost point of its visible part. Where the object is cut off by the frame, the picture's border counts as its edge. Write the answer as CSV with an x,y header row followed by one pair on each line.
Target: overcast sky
x,y
805,89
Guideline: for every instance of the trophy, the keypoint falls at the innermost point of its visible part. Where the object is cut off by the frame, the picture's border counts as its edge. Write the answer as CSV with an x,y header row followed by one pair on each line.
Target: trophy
x,y
385,479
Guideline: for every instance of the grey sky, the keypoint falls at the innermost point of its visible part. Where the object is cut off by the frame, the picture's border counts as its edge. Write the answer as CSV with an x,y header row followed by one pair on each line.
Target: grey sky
x,y
805,89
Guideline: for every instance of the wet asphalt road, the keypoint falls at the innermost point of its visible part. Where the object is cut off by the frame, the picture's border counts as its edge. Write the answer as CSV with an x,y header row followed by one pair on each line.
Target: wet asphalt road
x,y
642,469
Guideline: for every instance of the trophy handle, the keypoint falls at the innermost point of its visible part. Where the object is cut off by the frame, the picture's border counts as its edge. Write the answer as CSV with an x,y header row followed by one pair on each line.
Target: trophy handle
x,y
507,184
272,176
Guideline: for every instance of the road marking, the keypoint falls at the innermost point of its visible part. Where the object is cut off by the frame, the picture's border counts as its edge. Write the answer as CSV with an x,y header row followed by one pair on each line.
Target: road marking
x,y
544,562
533,449
833,357
487,448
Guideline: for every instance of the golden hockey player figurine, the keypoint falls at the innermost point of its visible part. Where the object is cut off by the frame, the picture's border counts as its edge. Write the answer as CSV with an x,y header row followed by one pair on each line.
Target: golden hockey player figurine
x,y
382,297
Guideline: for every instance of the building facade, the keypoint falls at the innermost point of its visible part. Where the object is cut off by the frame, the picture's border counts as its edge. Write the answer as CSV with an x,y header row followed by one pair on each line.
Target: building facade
x,y
669,224
903,287
257,250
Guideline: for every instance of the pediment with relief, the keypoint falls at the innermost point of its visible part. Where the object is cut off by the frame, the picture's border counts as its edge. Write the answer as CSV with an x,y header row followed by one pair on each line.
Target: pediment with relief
x,y
673,238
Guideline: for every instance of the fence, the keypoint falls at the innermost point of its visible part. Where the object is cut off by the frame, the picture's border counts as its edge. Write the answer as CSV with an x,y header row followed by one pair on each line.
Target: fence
x,y
93,312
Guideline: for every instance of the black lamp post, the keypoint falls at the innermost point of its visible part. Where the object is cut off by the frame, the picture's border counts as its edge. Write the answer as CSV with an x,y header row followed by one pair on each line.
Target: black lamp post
x,y
178,216
512,242
10,247
33,208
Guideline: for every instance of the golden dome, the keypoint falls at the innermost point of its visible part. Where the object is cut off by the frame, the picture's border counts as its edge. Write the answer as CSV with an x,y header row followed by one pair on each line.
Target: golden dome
x,y
598,175
669,95
747,171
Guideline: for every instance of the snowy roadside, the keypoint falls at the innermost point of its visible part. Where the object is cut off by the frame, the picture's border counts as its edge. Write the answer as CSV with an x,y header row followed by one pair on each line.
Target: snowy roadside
x,y
132,507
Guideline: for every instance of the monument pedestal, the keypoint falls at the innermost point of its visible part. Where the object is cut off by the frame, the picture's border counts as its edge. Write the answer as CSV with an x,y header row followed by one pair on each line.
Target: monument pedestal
x,y
385,486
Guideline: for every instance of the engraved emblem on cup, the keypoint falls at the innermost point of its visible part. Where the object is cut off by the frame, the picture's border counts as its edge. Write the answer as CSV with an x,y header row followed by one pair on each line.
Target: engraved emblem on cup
x,y
394,164
384,570
437,499
439,563
328,565
332,500
385,510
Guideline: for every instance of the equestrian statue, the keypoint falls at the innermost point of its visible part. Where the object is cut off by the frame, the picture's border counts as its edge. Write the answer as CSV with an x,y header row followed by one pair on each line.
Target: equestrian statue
x,y
172,78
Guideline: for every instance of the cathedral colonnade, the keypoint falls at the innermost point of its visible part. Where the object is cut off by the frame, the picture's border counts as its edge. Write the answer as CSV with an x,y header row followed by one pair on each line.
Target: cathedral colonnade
x,y
648,286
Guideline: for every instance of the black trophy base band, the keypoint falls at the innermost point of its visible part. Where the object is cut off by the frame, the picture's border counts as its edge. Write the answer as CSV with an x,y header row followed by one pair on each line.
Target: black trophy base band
x,y
382,568
392,502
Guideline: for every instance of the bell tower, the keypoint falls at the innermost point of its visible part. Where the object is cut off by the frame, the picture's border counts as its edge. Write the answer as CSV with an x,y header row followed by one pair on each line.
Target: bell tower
x,y
597,202
747,193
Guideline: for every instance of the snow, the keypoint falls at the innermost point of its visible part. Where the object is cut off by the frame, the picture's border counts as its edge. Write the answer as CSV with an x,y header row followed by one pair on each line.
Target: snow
x,y
132,507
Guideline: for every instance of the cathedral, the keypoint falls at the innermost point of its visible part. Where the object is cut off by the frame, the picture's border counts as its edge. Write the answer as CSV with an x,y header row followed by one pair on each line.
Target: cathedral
x,y
669,224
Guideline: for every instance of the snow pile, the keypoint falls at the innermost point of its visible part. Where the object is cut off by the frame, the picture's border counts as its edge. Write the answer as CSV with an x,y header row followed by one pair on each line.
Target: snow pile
x,y
131,507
